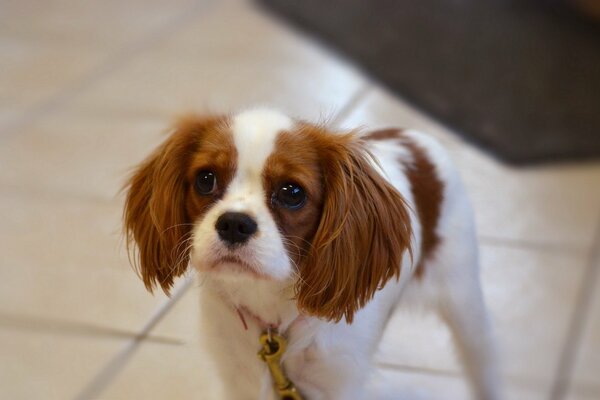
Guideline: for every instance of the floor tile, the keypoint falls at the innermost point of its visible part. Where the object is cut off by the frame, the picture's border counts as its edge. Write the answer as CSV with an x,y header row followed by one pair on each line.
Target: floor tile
x,y
38,365
520,286
77,154
50,231
585,376
8,114
584,393
531,321
53,49
210,66
108,23
33,70
97,303
159,371
63,269
416,385
182,322
555,205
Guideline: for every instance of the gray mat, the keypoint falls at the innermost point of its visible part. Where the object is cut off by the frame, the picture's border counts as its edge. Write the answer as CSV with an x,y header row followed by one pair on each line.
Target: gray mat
x,y
520,78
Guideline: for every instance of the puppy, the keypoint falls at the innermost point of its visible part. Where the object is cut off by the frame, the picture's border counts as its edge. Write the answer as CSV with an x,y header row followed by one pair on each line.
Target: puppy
x,y
311,235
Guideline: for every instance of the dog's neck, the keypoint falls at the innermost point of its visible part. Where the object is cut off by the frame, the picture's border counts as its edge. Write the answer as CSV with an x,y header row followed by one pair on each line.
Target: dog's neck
x,y
266,303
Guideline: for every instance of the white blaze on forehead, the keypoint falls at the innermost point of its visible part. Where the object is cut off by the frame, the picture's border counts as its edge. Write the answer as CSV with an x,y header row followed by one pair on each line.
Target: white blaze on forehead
x,y
254,134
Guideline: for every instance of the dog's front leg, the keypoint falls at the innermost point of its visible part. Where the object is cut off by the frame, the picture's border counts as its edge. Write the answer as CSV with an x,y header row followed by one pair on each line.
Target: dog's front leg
x,y
237,373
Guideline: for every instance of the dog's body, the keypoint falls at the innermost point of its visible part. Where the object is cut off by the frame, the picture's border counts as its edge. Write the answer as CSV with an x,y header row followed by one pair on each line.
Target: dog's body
x,y
296,273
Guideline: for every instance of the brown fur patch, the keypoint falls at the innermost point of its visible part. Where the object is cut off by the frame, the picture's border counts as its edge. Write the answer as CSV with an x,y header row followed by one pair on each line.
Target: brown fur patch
x,y
426,187
161,203
357,223
295,159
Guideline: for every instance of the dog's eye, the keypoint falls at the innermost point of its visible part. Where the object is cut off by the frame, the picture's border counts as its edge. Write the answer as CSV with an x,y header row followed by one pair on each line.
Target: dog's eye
x,y
290,195
206,182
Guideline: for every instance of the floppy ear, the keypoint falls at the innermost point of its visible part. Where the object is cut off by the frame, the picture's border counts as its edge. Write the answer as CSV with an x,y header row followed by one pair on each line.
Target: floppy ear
x,y
155,216
362,235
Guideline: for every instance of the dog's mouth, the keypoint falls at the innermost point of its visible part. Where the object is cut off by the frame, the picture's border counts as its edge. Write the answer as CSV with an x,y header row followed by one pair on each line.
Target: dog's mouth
x,y
234,264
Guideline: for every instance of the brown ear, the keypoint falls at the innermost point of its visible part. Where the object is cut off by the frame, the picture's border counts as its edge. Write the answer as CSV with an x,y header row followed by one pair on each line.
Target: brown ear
x,y
362,235
155,217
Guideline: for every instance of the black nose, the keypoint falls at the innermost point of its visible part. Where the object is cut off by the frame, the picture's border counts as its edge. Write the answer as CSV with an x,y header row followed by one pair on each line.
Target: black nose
x,y
235,227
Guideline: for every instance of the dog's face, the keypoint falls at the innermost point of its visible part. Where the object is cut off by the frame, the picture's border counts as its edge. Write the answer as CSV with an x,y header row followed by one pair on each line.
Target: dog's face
x,y
260,195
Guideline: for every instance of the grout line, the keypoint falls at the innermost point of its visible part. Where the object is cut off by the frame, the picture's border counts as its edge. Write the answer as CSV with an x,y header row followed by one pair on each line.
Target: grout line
x,y
417,370
351,104
518,380
581,314
106,375
41,325
111,64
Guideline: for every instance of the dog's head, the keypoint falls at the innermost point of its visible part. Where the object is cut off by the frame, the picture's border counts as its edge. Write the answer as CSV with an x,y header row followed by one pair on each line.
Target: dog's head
x,y
262,195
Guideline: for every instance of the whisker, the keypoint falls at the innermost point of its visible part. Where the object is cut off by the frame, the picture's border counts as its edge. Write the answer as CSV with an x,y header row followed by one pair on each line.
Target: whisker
x,y
184,253
176,226
180,255
184,240
289,243
309,244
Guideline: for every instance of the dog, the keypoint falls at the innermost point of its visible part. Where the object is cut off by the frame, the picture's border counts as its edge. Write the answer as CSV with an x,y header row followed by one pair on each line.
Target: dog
x,y
312,235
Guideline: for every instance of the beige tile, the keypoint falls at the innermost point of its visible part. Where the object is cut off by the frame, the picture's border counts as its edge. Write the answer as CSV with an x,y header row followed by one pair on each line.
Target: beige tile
x,y
584,392
159,371
417,340
33,70
63,268
61,322
404,385
94,303
77,154
234,57
417,385
37,365
8,114
50,231
586,372
109,24
51,50
554,205
530,320
182,322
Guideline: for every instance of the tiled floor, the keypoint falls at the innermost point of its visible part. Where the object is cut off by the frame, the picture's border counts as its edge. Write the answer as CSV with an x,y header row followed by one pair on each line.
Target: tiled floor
x,y
88,88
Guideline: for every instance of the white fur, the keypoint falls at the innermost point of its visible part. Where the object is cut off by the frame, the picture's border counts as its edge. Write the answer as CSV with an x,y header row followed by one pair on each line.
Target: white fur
x,y
332,360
